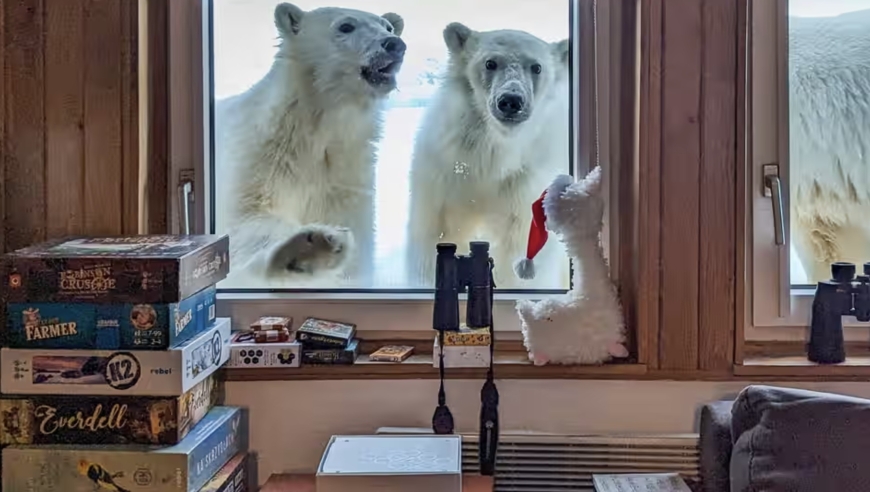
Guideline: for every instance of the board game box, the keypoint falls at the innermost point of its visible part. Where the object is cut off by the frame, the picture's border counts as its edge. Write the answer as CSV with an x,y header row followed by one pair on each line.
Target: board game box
x,y
233,477
321,333
340,356
171,372
65,419
187,466
109,326
133,269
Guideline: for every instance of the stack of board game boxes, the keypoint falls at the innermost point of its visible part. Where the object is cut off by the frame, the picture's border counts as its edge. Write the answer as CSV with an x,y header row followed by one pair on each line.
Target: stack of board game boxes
x,y
107,370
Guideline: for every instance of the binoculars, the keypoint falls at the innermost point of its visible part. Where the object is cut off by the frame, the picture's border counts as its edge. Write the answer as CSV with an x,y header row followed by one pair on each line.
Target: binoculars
x,y
456,274
845,294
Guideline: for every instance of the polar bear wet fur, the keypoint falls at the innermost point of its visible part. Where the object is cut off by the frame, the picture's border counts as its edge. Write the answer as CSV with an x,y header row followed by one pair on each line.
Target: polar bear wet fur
x,y
490,143
295,155
829,149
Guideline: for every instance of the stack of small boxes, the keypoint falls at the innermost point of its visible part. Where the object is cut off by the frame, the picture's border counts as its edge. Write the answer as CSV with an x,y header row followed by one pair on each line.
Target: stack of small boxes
x,y
271,342
107,370
465,348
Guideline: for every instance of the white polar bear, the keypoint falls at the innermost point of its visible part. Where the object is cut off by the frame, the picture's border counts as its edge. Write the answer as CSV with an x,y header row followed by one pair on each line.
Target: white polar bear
x,y
829,149
295,157
495,135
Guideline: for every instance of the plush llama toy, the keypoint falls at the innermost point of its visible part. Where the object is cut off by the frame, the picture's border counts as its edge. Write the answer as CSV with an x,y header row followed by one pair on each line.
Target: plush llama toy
x,y
585,325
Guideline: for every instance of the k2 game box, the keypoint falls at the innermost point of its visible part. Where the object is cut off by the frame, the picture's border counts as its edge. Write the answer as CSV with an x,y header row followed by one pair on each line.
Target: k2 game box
x,y
63,419
109,326
187,466
132,269
111,373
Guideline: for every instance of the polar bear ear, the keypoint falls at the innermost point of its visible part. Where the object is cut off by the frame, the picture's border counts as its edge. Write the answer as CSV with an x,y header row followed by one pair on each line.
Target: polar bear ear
x,y
397,22
288,19
456,36
562,50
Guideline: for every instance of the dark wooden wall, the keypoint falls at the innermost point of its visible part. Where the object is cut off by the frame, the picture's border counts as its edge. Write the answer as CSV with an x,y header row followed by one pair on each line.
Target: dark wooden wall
x,y
69,125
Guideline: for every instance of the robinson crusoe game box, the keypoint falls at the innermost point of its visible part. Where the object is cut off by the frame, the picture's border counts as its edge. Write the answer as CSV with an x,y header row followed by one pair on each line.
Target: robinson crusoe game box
x,y
109,326
137,269
187,466
171,372
105,419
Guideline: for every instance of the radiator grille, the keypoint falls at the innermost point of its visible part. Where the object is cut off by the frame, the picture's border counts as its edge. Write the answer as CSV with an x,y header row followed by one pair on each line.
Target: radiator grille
x,y
549,463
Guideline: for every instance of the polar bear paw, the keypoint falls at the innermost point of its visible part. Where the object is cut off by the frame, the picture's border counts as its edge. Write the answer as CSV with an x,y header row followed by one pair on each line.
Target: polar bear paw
x,y
312,250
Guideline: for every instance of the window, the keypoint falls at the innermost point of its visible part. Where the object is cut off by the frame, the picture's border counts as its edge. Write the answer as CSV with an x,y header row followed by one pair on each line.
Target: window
x,y
810,128
565,57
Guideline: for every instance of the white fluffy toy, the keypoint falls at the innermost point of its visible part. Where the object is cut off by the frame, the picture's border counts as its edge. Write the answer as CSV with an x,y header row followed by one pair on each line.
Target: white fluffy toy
x,y
585,325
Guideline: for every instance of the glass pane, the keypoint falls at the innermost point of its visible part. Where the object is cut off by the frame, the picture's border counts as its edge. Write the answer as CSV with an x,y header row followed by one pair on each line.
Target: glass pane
x,y
829,126
347,143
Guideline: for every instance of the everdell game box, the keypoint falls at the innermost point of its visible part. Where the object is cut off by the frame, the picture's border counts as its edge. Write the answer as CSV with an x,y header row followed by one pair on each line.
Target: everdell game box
x,y
187,466
45,419
132,269
103,372
109,326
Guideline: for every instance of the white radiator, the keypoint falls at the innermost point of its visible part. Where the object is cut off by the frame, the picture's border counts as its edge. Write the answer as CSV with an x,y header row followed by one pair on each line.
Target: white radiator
x,y
532,462
553,463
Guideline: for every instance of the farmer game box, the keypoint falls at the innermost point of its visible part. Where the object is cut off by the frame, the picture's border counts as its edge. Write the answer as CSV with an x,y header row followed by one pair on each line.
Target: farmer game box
x,y
109,326
66,419
187,466
111,270
171,372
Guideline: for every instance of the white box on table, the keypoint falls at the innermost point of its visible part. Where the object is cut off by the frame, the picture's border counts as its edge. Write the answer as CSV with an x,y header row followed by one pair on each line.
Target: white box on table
x,y
106,372
461,355
252,354
391,463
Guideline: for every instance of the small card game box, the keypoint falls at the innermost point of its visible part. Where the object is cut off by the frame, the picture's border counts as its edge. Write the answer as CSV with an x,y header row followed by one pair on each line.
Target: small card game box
x,y
61,419
109,326
252,354
391,463
324,334
233,477
461,355
267,323
110,373
334,356
391,353
128,270
187,466
467,336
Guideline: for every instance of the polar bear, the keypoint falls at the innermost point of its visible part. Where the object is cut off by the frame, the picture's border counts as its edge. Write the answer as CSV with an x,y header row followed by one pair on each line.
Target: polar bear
x,y
829,149
295,157
493,138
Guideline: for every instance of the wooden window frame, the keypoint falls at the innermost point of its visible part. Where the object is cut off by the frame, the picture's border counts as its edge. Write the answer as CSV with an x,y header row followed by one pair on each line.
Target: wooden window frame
x,y
677,143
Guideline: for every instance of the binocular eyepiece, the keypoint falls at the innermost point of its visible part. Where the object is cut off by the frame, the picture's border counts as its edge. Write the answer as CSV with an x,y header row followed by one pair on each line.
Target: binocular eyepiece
x,y
455,274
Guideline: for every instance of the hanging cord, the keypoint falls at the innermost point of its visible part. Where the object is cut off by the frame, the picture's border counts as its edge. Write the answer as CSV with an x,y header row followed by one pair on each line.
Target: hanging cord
x,y
442,420
488,443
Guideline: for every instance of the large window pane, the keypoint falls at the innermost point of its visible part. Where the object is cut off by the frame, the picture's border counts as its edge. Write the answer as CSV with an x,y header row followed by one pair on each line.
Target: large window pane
x,y
829,127
347,143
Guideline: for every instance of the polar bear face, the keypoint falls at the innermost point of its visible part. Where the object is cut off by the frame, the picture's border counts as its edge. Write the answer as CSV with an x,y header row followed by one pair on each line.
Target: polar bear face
x,y
343,50
509,72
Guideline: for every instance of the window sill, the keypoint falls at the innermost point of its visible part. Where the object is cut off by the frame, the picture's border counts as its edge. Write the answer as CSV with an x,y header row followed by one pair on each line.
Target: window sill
x,y
509,365
797,366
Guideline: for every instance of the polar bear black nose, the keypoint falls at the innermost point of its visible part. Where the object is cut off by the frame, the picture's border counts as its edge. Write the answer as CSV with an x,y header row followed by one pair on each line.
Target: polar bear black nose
x,y
510,104
394,45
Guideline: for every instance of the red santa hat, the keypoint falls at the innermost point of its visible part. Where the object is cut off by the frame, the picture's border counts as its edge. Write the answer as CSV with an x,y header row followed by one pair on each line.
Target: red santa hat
x,y
525,267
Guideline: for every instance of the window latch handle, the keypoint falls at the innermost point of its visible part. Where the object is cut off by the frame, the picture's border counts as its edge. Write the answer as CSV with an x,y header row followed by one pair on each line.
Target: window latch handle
x,y
773,189
185,189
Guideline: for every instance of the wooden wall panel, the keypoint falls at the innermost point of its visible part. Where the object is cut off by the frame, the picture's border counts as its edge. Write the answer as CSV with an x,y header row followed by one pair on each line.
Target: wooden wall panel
x,y
69,124
24,79
682,23
687,184
3,149
718,186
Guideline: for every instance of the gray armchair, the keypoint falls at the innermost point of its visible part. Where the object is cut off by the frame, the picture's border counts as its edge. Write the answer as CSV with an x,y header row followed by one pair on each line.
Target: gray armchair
x,y
786,440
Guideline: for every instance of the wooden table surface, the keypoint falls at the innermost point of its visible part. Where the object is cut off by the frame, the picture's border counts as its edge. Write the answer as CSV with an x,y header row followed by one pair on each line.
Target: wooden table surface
x,y
305,483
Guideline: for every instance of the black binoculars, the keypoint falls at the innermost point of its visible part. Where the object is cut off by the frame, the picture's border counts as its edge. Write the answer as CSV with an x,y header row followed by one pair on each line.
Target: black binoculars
x,y
845,294
456,274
